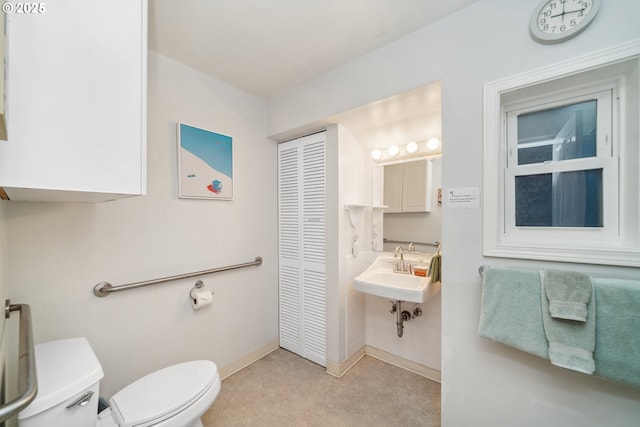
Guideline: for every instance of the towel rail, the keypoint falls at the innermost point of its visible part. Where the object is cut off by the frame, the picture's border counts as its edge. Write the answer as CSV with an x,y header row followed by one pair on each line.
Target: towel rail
x,y
103,289
27,378
482,269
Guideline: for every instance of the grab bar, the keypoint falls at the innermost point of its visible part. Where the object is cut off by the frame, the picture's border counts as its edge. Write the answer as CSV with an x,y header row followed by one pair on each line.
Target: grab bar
x,y
27,378
436,243
103,289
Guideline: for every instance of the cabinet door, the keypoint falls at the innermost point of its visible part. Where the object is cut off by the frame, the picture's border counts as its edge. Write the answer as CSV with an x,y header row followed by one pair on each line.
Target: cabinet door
x,y
407,187
393,188
76,101
416,195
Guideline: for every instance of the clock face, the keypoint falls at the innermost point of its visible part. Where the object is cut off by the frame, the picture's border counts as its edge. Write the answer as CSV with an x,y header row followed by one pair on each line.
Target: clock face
x,y
559,20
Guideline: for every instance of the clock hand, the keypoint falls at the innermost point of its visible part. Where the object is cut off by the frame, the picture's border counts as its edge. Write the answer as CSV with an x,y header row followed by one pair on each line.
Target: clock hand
x,y
565,13
561,14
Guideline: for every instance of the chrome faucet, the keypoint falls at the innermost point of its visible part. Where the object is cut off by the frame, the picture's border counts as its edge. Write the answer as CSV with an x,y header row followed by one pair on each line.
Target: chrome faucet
x,y
401,266
397,251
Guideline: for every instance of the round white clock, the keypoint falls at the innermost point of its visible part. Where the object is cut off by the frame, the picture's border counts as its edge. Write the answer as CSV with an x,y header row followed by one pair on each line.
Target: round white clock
x,y
555,21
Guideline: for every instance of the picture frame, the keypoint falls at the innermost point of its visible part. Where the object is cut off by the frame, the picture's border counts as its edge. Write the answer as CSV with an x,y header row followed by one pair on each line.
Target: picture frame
x,y
205,164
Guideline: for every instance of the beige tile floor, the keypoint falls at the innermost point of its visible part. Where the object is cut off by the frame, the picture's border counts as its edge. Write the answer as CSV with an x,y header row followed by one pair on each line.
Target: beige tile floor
x,y
283,389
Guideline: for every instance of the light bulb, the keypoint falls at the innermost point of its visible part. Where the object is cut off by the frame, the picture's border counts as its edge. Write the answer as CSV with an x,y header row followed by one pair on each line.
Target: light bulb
x,y
376,154
433,143
412,147
393,150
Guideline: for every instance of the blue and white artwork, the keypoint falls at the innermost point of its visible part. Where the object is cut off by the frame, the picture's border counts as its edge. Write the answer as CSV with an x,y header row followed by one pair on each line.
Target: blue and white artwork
x,y
205,164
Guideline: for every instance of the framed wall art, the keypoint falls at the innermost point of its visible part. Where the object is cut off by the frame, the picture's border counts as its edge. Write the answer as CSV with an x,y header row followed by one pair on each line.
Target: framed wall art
x,y
205,164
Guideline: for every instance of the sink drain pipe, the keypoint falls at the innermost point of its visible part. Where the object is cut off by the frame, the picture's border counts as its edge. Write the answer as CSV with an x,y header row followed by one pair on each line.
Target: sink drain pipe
x,y
401,316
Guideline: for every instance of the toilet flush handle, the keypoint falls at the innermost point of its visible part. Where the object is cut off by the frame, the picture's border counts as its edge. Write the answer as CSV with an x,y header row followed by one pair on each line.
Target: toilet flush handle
x,y
82,400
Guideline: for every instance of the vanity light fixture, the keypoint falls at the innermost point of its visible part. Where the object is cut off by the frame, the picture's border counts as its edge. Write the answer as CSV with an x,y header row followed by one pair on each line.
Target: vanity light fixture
x,y
412,147
433,143
396,152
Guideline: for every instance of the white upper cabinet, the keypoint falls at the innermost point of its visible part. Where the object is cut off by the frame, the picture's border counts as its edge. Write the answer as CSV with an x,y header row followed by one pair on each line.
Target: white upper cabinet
x,y
407,187
76,102
393,188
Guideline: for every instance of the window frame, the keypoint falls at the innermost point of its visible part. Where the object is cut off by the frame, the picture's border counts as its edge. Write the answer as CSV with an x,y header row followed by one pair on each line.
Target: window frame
x,y
605,159
618,241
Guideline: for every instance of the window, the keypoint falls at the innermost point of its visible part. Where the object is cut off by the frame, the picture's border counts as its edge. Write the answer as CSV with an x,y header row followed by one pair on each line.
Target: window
x,y
561,155
560,164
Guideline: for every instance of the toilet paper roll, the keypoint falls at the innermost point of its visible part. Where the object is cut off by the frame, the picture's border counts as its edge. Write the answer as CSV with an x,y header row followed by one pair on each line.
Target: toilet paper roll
x,y
201,298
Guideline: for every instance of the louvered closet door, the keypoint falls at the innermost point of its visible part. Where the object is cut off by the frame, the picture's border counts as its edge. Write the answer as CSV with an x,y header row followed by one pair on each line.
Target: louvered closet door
x,y
302,235
313,249
289,206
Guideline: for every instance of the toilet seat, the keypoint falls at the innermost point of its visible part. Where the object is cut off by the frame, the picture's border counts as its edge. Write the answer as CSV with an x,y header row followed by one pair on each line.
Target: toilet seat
x,y
163,393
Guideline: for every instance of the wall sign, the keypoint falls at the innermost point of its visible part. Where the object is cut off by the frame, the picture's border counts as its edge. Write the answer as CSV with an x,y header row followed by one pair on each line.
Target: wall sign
x,y
463,197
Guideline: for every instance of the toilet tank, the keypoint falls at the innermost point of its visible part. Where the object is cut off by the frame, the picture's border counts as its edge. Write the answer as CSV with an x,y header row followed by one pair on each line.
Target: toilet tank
x,y
68,374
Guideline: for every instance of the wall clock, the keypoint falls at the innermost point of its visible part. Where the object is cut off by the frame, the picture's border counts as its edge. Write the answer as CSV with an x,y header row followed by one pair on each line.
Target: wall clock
x,y
555,21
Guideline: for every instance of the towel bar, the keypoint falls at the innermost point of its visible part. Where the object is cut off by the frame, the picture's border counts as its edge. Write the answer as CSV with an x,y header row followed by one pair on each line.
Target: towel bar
x,y
103,289
27,378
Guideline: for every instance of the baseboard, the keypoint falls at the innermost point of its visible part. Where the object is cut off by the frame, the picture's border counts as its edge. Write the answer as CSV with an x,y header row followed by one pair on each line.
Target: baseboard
x,y
339,369
333,368
248,359
392,359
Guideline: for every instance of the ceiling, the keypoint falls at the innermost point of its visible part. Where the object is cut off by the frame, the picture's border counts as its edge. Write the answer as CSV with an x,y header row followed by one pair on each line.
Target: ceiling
x,y
409,116
268,47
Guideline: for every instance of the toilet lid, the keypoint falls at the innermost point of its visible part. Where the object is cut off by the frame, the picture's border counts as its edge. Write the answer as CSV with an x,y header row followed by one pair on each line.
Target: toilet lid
x,y
163,393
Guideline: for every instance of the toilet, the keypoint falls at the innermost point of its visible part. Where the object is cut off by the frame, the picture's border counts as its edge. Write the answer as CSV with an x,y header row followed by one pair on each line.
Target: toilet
x,y
69,374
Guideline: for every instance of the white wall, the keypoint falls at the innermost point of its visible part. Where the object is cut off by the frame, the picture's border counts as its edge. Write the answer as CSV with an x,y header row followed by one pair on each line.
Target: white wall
x,y
3,285
355,188
483,383
58,252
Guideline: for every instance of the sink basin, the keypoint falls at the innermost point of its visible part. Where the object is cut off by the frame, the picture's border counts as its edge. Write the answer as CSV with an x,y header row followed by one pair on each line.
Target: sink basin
x,y
380,280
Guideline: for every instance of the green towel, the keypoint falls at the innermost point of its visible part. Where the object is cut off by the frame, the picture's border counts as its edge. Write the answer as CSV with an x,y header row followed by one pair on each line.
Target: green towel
x,y
571,343
435,268
510,311
511,314
568,293
617,351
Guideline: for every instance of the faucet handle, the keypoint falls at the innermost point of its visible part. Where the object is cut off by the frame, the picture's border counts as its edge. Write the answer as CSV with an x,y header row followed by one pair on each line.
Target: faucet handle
x,y
412,247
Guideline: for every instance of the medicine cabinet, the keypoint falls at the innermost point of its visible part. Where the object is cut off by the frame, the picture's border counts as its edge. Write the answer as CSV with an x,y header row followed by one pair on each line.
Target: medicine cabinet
x,y
407,186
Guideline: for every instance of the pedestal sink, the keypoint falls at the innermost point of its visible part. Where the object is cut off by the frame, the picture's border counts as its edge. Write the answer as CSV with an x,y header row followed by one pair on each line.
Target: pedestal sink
x,y
381,280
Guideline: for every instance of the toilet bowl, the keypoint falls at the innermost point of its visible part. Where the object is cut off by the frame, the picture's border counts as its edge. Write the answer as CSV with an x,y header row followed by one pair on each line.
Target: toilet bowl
x,y
69,373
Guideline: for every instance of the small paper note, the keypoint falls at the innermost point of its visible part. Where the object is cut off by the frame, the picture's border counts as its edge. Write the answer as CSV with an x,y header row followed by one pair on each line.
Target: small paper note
x,y
464,197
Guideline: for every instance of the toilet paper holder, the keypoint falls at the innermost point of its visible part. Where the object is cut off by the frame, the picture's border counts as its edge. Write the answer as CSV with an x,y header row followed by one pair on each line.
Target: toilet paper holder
x,y
195,298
